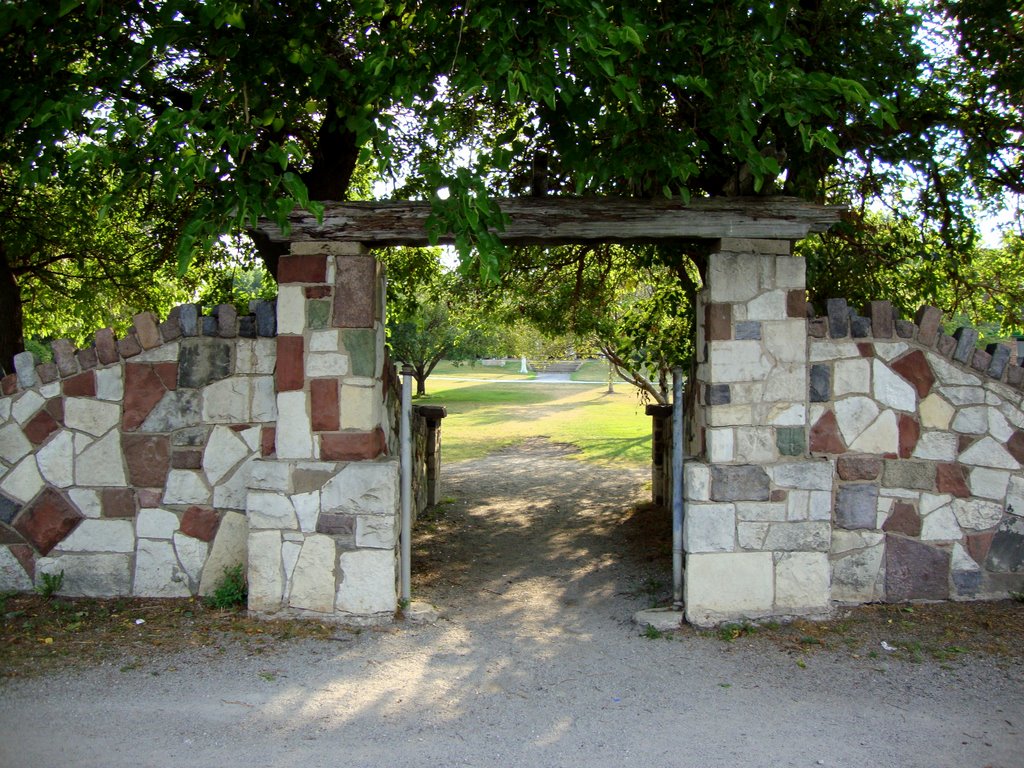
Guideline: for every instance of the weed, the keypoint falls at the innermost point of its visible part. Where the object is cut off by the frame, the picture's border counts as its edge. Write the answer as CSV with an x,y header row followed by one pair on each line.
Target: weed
x,y
4,597
50,584
730,632
653,633
1018,596
269,676
232,591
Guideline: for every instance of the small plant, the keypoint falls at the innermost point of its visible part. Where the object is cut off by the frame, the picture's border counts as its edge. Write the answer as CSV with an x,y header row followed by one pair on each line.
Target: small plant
x,y
730,632
653,633
50,584
1018,596
232,590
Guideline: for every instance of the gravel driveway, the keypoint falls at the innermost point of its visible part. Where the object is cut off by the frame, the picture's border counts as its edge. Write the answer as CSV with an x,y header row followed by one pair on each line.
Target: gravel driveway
x,y
536,562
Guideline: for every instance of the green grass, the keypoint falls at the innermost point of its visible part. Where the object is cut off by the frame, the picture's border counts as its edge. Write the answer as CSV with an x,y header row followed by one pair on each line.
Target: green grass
x,y
476,371
486,417
594,370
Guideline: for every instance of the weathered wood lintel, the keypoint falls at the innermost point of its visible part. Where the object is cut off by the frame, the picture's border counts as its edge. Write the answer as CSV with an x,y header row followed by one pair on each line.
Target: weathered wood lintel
x,y
561,221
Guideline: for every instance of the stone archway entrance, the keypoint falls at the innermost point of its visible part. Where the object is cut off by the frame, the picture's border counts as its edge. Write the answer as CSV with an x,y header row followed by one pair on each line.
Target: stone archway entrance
x,y
323,512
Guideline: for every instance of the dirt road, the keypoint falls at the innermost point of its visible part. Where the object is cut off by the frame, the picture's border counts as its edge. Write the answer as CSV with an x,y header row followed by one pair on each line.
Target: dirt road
x,y
536,562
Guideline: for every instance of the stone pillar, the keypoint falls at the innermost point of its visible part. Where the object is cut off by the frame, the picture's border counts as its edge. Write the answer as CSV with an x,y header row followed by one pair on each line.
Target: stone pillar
x,y
757,526
323,509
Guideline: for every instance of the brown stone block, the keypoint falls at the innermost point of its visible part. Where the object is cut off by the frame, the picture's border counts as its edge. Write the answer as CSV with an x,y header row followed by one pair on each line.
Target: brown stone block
x,y
915,571
796,303
914,367
40,427
945,346
981,360
143,389
148,459
9,384
929,325
129,346
64,357
1015,375
187,459
866,349
290,373
87,358
963,442
355,292
858,467
718,322
82,385
825,436
318,291
949,478
48,521
25,555
146,330
904,519
118,502
978,545
55,407
47,372
167,373
200,523
326,416
910,433
883,321
1015,445
302,269
351,446
268,441
106,346
817,328
335,524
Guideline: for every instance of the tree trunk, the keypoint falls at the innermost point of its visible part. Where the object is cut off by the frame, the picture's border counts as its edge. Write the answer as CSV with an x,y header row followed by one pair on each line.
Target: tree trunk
x,y
12,337
421,380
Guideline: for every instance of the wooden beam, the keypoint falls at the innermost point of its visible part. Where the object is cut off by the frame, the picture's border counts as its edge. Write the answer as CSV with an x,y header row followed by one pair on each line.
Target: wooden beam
x,y
561,221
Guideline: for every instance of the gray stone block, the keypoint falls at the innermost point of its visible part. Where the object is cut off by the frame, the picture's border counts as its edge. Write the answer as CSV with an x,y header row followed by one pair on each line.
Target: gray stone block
x,y
739,483
8,509
266,318
202,361
748,330
905,329
838,318
857,506
1000,359
64,357
209,325
176,410
966,583
247,327
25,366
227,321
1006,555
188,319
860,326
718,394
966,338
821,383
919,475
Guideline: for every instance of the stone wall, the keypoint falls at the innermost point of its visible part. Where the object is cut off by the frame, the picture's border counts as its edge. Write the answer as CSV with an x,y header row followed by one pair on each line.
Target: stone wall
x,y
125,464
848,459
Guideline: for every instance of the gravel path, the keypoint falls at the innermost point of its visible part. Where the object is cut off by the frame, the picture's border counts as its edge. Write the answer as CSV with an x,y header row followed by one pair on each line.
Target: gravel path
x,y
536,562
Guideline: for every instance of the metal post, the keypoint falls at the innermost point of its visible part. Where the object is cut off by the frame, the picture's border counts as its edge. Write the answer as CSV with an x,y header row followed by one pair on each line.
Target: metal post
x,y
405,439
677,486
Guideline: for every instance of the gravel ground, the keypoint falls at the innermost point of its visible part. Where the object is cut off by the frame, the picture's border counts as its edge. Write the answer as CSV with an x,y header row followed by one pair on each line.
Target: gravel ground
x,y
536,562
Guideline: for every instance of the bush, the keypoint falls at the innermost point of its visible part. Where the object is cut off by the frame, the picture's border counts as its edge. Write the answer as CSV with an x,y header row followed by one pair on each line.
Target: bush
x,y
232,590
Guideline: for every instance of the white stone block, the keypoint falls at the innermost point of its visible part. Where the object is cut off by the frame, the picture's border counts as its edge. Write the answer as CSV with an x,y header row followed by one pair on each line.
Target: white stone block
x,y
851,377
325,364
940,525
265,351
51,390
721,445
5,408
87,501
827,350
786,384
786,415
165,353
56,460
790,273
313,578
367,582
738,361
709,528
785,340
854,415
857,575
23,482
291,309
752,535
100,536
186,486
810,475
229,548
890,350
270,475
977,515
227,401
929,502
961,561
936,412
94,417
802,582
732,278
264,400
265,509
728,585
245,360
363,488
998,426
962,396
971,421
989,483
294,431
883,436
224,450
802,536
844,541
377,532
730,415
325,341
26,406
891,390
937,446
820,505
251,436
232,491
265,575
14,446
761,511
307,510
157,572
771,305
988,453
696,481
13,577
101,464
755,445
155,523
191,557
290,551
360,408
1015,496
95,575
949,374
1013,412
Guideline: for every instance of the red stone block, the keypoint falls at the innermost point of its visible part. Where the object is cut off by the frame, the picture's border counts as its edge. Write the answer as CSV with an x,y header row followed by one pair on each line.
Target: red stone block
x,y
1015,445
318,291
148,459
904,519
949,478
910,433
47,372
914,367
355,292
866,349
87,358
883,324
9,384
978,545
143,389
268,441
718,322
82,385
27,557
290,373
351,446
64,357
191,458
324,403
825,436
796,304
858,467
106,346
48,521
129,346
118,502
200,523
40,427
149,498
55,407
309,268
167,373
147,330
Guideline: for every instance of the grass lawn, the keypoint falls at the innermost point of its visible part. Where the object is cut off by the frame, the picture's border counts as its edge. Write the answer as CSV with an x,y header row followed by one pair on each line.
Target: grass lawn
x,y
485,417
476,371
